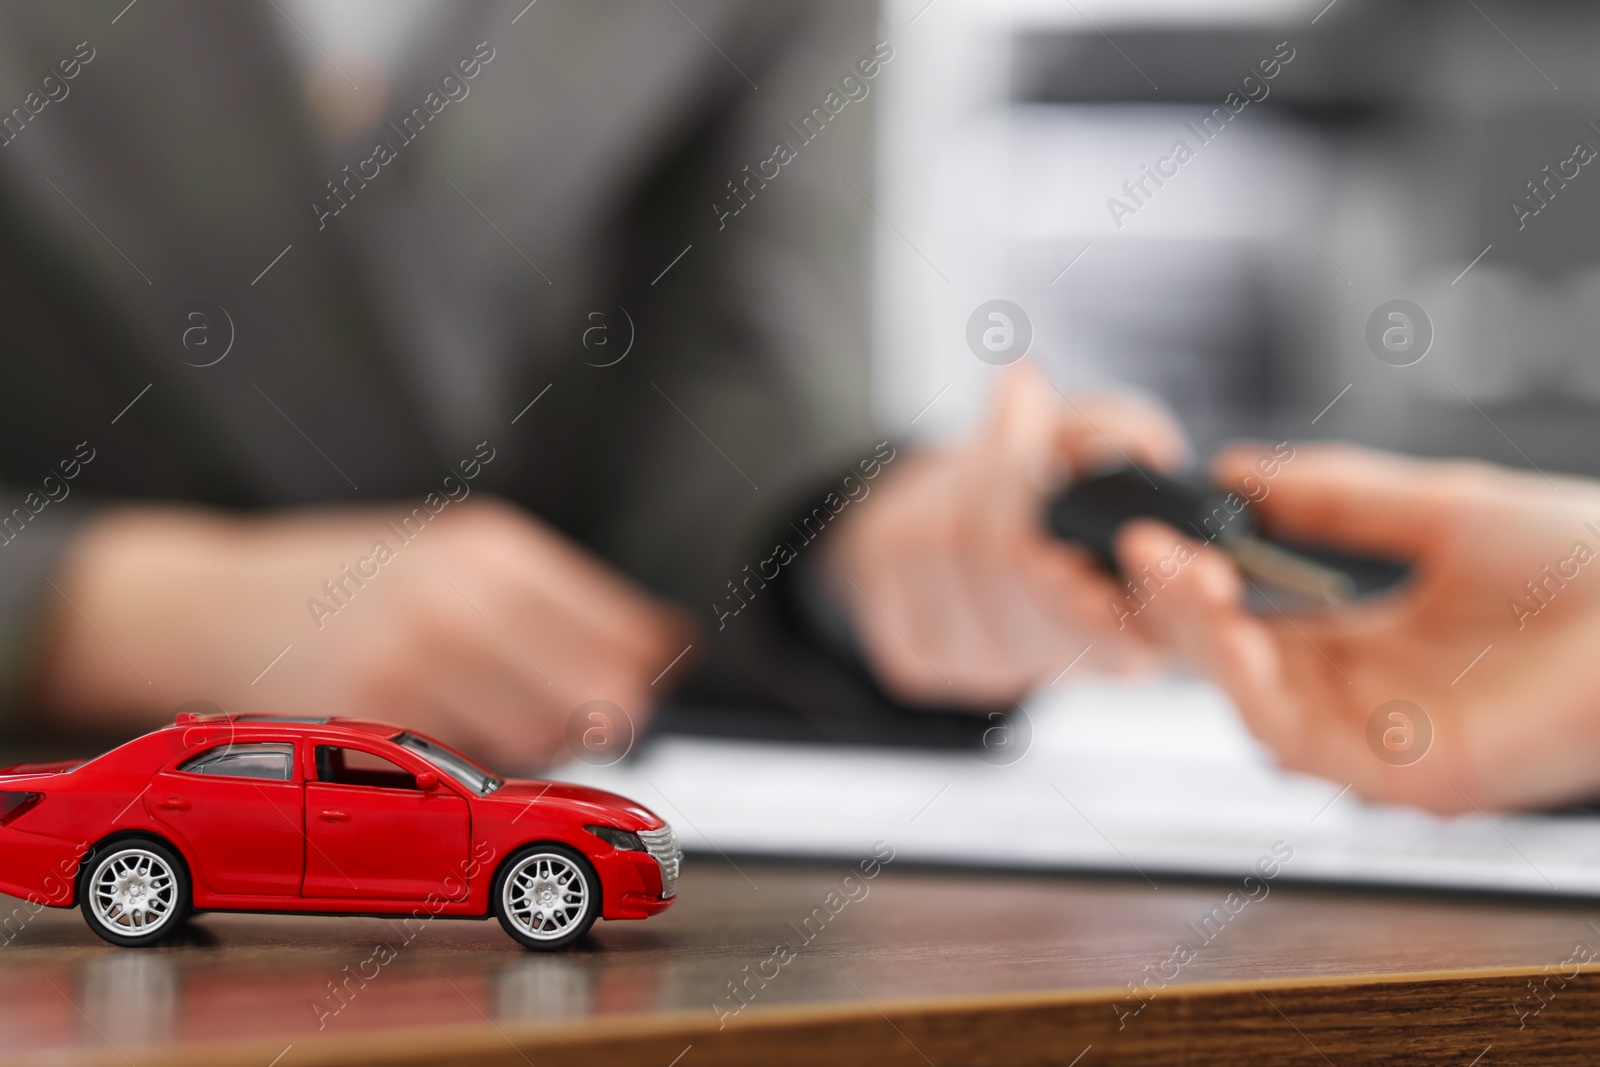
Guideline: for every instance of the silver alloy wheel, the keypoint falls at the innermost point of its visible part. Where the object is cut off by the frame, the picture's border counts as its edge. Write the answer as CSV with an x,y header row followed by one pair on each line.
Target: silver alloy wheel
x,y
133,892
545,896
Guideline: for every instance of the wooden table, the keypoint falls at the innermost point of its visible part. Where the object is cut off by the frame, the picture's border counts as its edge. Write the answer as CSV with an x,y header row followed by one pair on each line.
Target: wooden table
x,y
929,967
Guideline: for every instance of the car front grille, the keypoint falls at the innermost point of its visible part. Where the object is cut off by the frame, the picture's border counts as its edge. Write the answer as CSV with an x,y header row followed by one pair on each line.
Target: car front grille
x,y
663,846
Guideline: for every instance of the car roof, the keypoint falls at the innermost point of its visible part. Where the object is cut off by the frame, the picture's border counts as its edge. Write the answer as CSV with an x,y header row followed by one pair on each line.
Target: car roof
x,y
292,724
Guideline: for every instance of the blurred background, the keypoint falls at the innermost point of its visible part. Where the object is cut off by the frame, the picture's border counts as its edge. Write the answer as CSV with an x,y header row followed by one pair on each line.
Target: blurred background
x,y
1361,153
1380,166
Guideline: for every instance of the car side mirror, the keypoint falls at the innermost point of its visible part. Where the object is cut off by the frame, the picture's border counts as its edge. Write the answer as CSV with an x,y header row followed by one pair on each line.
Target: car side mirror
x,y
427,781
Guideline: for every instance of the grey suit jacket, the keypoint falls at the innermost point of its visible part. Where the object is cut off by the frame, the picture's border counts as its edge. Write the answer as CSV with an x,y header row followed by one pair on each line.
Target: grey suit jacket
x,y
389,310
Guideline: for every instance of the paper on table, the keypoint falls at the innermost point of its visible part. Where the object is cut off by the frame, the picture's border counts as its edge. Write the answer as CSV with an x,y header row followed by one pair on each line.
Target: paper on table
x,y
1145,779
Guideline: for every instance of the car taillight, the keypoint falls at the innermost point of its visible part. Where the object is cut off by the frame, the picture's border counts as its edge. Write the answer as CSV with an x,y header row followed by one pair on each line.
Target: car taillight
x,y
14,805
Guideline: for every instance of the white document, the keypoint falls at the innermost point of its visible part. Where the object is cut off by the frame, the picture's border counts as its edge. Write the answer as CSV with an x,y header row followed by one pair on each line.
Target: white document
x,y
1149,779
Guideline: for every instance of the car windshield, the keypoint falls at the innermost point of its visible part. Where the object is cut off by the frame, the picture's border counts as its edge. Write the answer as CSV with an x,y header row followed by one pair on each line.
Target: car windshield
x,y
454,764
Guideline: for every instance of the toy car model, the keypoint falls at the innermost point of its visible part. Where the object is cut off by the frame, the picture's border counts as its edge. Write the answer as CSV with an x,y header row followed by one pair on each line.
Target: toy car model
x,y
331,816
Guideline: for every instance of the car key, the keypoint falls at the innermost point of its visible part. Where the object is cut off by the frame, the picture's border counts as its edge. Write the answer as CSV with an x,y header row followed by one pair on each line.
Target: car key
x,y
1090,511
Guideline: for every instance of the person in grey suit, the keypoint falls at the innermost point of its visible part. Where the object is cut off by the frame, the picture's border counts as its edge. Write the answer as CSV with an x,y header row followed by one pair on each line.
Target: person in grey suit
x,y
462,365
458,365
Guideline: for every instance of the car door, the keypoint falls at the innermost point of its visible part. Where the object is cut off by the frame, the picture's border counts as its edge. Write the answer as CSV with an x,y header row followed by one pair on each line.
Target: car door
x,y
238,809
372,833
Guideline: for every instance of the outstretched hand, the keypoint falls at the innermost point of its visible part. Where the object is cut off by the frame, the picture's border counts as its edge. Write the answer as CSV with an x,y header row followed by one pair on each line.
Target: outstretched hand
x,y
1493,639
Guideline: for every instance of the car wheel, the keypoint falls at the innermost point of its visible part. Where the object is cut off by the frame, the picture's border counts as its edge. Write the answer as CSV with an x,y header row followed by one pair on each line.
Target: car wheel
x,y
547,896
133,892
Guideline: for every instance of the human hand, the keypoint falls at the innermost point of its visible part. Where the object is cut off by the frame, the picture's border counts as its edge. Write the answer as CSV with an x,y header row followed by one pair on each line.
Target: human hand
x,y
1511,692
486,630
955,590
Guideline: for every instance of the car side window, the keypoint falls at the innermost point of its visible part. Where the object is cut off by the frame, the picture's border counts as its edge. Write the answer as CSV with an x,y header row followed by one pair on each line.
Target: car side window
x,y
352,766
272,762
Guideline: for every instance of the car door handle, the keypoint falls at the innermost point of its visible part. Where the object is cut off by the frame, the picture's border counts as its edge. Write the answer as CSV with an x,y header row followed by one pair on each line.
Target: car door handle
x,y
174,804
335,816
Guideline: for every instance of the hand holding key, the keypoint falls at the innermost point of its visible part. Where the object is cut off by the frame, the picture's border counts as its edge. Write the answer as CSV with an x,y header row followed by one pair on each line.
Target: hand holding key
x,y
956,592
1492,638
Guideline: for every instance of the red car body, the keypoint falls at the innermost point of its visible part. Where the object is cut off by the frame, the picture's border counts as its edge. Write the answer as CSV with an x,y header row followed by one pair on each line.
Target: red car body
x,y
356,817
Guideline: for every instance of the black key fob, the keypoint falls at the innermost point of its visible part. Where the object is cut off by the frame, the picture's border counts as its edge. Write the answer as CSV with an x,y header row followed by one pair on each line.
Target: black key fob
x,y
1091,511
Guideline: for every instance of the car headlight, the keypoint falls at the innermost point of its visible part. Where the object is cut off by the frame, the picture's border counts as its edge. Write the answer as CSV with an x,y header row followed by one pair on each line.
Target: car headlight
x,y
619,839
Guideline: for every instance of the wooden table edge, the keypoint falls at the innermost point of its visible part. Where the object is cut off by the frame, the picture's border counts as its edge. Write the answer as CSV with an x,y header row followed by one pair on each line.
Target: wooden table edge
x,y
627,1038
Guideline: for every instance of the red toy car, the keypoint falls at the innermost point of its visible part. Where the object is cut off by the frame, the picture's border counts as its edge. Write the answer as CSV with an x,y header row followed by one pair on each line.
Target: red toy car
x,y
259,813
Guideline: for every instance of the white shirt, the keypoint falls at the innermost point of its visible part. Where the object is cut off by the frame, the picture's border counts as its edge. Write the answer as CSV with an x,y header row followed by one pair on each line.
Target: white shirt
x,y
351,53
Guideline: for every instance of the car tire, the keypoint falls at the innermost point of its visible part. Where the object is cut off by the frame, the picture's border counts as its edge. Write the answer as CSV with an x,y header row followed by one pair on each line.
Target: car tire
x,y
546,896
134,891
